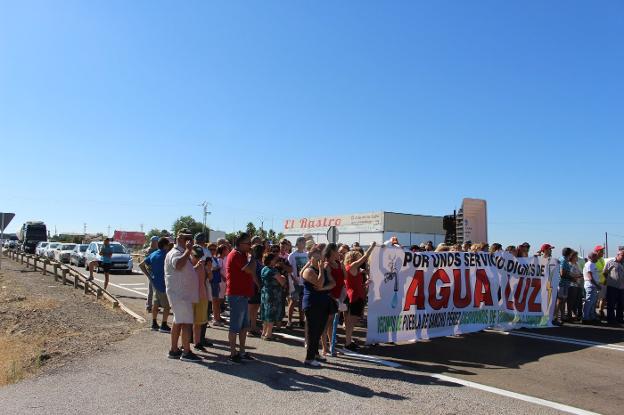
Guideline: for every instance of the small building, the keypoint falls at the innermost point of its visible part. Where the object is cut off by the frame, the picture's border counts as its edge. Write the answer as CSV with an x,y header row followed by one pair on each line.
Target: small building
x,y
366,228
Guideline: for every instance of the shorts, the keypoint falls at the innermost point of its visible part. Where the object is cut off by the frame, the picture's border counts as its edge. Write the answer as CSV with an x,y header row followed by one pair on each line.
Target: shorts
x,y
356,308
297,294
256,299
563,292
159,299
602,294
216,289
239,313
182,310
200,312
105,266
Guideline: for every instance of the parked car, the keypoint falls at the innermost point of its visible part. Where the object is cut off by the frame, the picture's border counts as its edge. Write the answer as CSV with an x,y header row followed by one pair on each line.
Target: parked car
x,y
49,251
41,246
122,261
63,252
77,256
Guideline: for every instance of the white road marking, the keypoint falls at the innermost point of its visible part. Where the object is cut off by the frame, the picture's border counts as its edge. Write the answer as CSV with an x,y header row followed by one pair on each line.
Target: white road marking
x,y
466,383
544,337
123,288
132,284
514,395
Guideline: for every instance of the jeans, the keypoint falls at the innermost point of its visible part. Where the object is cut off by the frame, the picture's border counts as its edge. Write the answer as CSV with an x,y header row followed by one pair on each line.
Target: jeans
x,y
615,305
573,301
589,307
316,320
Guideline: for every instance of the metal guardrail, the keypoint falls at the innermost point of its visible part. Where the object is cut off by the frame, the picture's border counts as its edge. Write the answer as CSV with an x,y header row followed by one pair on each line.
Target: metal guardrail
x,y
65,273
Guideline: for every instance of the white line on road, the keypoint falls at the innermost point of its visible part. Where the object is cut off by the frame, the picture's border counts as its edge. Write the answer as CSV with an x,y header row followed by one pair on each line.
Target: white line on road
x,y
586,343
132,284
467,383
123,288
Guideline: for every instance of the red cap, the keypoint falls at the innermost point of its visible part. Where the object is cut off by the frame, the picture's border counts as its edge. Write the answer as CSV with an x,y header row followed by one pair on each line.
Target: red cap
x,y
545,247
598,248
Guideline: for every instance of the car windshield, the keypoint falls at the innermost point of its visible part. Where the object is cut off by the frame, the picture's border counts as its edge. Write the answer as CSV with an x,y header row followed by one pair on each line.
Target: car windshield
x,y
117,248
83,248
68,247
54,245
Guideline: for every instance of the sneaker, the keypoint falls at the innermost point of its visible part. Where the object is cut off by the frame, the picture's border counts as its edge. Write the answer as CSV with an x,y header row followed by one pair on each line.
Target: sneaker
x,y
247,356
155,326
164,328
320,359
190,357
217,323
206,343
200,348
311,363
235,359
174,355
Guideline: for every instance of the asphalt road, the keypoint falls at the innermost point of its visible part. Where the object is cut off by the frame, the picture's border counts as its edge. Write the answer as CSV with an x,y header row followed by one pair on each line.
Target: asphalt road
x,y
580,366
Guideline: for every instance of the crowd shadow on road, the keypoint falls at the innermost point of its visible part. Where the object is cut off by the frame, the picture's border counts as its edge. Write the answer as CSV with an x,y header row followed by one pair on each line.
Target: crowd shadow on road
x,y
483,350
287,374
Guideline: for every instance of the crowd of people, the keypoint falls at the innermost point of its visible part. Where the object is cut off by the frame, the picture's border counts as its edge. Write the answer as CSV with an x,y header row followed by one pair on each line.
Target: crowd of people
x,y
325,283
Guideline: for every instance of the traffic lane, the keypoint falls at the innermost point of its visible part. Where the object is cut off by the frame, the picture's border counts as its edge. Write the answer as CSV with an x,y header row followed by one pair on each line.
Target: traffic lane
x,y
130,289
129,373
602,333
589,378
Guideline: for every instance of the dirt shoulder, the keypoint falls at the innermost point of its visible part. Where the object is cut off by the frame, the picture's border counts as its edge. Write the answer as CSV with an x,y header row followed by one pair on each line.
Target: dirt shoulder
x,y
44,325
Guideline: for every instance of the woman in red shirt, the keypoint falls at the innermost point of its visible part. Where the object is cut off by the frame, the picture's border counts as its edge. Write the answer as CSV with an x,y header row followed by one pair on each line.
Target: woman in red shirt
x,y
356,292
337,271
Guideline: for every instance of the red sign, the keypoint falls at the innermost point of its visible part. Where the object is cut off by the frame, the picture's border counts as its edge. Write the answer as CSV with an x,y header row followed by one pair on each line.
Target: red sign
x,y
129,238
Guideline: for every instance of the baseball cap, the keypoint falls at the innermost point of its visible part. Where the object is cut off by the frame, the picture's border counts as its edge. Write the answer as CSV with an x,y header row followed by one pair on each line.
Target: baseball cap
x,y
200,237
185,232
545,247
154,238
198,251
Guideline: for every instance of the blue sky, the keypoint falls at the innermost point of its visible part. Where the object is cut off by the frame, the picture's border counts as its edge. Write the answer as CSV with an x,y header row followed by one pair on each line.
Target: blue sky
x,y
126,113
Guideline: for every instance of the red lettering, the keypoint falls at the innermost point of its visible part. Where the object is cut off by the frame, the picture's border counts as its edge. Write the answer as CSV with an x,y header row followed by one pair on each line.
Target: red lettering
x,y
458,300
325,221
483,293
304,223
445,291
286,223
536,284
415,295
520,303
338,222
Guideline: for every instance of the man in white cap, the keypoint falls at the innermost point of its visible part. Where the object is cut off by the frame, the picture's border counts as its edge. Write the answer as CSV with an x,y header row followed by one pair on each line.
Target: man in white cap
x,y
182,292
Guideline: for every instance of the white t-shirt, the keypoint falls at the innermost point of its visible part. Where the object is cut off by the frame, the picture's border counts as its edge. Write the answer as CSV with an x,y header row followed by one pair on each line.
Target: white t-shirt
x,y
181,284
590,267
297,260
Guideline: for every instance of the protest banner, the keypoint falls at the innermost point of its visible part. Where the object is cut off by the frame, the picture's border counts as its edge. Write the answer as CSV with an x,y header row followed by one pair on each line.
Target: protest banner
x,y
424,295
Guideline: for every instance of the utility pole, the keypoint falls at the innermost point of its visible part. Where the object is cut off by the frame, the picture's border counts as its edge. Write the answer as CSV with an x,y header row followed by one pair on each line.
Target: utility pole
x,y
606,255
205,213
108,231
141,226
84,228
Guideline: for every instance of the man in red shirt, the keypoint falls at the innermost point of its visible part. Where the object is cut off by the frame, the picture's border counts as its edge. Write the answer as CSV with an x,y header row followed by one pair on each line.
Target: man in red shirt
x,y
239,272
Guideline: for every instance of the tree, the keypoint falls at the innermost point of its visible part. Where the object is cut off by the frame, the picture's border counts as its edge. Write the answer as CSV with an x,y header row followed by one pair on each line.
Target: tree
x,y
251,230
157,232
187,222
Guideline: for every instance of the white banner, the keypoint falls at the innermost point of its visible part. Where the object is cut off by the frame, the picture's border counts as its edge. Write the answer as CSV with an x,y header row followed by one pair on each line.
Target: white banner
x,y
424,295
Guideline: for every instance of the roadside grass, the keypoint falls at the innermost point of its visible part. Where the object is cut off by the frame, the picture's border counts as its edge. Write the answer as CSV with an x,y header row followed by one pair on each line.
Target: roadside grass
x,y
23,352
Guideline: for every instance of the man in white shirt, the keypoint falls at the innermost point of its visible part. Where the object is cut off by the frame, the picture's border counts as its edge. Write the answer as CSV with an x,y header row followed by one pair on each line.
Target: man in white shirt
x,y
590,275
182,292
297,261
